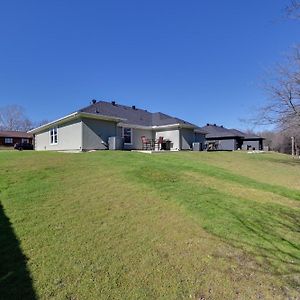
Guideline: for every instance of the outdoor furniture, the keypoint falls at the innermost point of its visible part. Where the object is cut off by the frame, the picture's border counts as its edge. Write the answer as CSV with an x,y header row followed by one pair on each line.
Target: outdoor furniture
x,y
212,145
155,144
158,143
166,145
146,143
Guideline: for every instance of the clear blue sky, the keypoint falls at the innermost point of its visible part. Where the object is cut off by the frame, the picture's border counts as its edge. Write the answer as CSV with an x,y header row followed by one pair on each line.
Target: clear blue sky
x,y
199,60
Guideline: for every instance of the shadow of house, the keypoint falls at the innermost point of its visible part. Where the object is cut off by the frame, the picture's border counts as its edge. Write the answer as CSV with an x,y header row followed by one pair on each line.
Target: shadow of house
x,y
15,280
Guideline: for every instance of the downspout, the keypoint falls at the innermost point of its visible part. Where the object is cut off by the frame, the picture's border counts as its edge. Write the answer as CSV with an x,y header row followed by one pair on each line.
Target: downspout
x,y
180,138
81,147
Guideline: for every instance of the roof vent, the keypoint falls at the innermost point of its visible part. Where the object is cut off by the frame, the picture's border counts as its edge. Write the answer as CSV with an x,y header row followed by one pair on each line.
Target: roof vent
x,y
207,124
113,103
94,101
133,107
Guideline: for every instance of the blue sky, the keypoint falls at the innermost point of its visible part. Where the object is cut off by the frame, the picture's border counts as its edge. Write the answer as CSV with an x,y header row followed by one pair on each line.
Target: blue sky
x,y
202,61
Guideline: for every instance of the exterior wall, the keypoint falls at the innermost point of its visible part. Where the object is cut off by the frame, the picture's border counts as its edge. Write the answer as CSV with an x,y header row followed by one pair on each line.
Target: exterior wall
x,y
180,138
15,141
252,144
229,144
136,137
69,137
95,132
200,138
187,137
172,135
235,144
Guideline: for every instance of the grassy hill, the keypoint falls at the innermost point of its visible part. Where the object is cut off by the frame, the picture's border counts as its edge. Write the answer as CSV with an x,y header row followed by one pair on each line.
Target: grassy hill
x,y
123,225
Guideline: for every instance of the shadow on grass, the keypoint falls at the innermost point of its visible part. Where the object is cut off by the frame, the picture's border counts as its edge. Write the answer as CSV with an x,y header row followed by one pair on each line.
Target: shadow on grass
x,y
273,237
15,280
269,232
179,166
266,231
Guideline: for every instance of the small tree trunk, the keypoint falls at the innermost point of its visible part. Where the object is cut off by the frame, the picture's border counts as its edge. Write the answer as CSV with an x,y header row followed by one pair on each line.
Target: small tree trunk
x,y
293,146
297,150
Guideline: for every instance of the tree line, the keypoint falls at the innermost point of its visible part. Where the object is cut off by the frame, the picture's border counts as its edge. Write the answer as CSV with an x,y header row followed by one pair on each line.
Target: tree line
x,y
13,118
282,109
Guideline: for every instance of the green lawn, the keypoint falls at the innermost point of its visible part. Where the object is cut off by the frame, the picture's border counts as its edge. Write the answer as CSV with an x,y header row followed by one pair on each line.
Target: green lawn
x,y
123,225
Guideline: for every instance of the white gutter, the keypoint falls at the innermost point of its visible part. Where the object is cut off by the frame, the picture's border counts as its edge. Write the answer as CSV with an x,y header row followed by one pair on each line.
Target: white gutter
x,y
100,117
122,124
177,125
65,118
120,121
73,116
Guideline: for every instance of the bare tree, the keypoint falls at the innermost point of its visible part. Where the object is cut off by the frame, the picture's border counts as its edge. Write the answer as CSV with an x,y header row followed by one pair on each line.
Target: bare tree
x,y
283,90
293,9
283,107
12,117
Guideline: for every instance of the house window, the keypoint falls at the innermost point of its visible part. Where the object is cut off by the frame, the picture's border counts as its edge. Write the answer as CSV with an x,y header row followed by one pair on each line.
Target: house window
x,y
25,141
127,135
53,136
8,140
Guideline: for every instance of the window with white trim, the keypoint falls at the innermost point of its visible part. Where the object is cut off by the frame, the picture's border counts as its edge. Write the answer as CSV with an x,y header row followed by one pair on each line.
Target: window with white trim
x,y
25,141
127,135
53,136
8,140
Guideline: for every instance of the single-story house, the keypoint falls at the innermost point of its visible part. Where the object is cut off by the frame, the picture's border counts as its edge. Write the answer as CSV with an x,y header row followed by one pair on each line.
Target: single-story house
x,y
250,141
89,128
221,138
10,138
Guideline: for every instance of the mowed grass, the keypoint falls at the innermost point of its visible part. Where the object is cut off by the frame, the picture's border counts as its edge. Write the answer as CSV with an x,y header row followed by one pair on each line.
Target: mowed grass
x,y
123,225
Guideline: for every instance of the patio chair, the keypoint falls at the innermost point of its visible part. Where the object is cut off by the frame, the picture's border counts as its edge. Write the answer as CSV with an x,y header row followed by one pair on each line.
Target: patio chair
x,y
158,143
146,143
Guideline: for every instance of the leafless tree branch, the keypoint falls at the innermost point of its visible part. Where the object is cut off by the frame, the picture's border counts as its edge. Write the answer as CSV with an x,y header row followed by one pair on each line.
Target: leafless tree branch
x,y
12,117
293,9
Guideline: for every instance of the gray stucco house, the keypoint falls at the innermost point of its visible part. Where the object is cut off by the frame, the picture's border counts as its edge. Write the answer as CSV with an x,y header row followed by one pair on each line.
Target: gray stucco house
x,y
221,138
90,128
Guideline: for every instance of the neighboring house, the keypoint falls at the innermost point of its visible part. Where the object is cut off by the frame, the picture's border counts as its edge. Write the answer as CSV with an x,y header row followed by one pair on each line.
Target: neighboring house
x,y
10,138
221,138
250,141
89,128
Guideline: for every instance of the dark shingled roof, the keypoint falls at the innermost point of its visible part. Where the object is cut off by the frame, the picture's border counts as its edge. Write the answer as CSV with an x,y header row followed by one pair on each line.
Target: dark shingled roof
x,y
133,115
160,119
214,132
246,135
15,134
